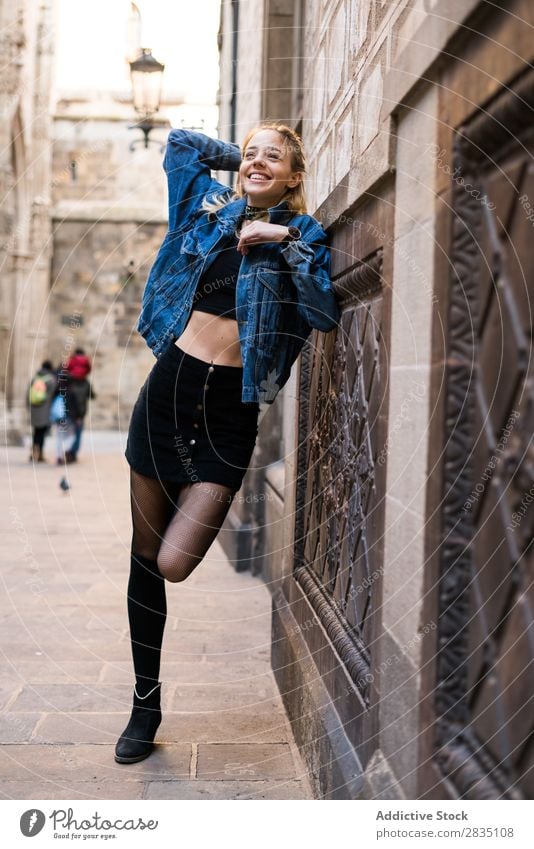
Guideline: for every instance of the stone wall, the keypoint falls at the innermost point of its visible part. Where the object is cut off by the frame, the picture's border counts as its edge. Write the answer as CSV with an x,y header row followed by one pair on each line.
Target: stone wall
x,y
241,67
109,219
369,115
99,271
26,53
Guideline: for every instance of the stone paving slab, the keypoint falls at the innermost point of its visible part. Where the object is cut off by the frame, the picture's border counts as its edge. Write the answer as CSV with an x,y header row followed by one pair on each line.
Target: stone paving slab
x,y
216,641
83,728
48,671
241,724
220,697
77,790
8,688
17,727
75,649
82,762
245,760
199,789
177,790
73,697
67,679
251,669
209,605
237,725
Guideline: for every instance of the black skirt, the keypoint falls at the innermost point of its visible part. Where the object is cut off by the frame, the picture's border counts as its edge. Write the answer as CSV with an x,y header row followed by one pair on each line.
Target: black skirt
x,y
189,423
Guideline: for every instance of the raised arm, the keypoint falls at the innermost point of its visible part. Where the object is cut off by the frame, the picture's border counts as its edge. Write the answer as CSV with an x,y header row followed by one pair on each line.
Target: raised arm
x,y
189,158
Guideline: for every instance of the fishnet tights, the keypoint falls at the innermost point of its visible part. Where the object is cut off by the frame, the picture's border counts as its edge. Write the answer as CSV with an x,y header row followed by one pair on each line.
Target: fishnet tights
x,y
175,524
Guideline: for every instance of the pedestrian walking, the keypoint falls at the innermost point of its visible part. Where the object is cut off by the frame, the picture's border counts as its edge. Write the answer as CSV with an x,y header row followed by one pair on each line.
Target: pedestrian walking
x,y
239,282
39,399
64,412
78,367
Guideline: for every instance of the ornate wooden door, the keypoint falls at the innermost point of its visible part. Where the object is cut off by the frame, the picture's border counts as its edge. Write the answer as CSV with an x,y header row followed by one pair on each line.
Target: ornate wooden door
x,y
340,478
485,695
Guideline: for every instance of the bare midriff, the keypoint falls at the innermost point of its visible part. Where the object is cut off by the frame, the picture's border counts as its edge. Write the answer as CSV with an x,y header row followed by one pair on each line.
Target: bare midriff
x,y
211,338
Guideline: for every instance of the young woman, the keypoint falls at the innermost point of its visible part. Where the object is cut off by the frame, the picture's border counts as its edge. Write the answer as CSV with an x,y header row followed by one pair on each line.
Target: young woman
x,y
239,282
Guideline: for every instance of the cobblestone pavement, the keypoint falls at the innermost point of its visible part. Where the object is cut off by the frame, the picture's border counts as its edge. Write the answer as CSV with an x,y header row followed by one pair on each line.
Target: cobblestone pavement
x,y
66,683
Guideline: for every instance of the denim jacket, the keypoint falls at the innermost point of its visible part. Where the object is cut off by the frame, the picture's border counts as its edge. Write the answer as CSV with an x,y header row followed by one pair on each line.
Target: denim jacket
x,y
282,290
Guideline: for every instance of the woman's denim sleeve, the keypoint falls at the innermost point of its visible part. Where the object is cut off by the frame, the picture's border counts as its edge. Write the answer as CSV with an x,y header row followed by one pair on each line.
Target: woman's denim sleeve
x,y
189,158
309,261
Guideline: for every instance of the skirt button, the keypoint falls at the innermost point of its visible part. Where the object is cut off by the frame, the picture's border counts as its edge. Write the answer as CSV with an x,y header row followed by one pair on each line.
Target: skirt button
x,y
192,441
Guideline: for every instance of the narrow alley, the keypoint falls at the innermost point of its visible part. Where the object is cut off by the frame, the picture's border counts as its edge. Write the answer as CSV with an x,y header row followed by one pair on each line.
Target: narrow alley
x,y
66,695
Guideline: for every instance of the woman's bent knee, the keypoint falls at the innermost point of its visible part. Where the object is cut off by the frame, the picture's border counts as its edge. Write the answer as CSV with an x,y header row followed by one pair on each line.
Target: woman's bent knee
x,y
146,551
170,575
173,572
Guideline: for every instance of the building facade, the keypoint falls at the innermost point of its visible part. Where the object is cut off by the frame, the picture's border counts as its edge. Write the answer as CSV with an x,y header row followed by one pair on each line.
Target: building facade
x,y
397,535
26,49
109,216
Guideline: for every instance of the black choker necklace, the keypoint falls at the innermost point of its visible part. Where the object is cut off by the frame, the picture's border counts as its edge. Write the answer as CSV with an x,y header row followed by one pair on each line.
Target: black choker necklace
x,y
251,213
254,211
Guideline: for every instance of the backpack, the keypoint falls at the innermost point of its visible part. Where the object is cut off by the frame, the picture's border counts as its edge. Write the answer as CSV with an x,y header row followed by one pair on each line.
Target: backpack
x,y
38,391
58,410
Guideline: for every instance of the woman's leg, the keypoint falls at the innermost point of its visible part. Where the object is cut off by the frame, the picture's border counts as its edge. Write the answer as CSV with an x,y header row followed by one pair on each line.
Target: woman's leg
x,y
152,506
201,510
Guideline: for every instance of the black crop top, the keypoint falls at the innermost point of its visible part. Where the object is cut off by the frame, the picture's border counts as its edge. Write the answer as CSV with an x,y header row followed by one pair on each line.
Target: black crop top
x,y
215,292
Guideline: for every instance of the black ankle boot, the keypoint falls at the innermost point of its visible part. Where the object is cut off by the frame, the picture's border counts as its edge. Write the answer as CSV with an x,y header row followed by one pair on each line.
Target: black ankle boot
x,y
136,741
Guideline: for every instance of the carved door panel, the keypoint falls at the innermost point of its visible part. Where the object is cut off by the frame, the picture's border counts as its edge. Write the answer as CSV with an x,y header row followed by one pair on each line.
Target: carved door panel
x,y
339,522
485,694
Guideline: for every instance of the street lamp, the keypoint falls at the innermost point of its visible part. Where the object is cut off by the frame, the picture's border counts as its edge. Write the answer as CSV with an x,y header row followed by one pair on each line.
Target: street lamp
x,y
146,75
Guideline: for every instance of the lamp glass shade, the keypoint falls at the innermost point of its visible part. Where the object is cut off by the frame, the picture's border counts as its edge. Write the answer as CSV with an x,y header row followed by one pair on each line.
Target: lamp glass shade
x,y
147,76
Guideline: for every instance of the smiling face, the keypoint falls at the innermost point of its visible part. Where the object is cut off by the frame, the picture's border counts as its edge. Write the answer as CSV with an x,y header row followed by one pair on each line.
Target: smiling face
x,y
266,170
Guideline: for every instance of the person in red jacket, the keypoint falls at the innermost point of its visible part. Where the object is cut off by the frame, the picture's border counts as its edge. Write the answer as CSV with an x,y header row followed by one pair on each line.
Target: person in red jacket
x,y
78,367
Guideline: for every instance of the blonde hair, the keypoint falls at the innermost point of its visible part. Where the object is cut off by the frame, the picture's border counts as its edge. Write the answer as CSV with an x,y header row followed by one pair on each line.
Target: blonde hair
x,y
295,197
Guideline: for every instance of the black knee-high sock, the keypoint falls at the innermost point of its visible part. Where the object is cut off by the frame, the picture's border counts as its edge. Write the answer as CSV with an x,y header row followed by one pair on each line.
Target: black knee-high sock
x,y
147,613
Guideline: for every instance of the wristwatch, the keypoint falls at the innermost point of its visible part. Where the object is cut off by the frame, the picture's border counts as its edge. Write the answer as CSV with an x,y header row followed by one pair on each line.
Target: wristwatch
x,y
293,233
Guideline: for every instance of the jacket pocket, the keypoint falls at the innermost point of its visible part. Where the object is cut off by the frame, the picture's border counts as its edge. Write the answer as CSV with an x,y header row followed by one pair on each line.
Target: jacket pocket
x,y
276,284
